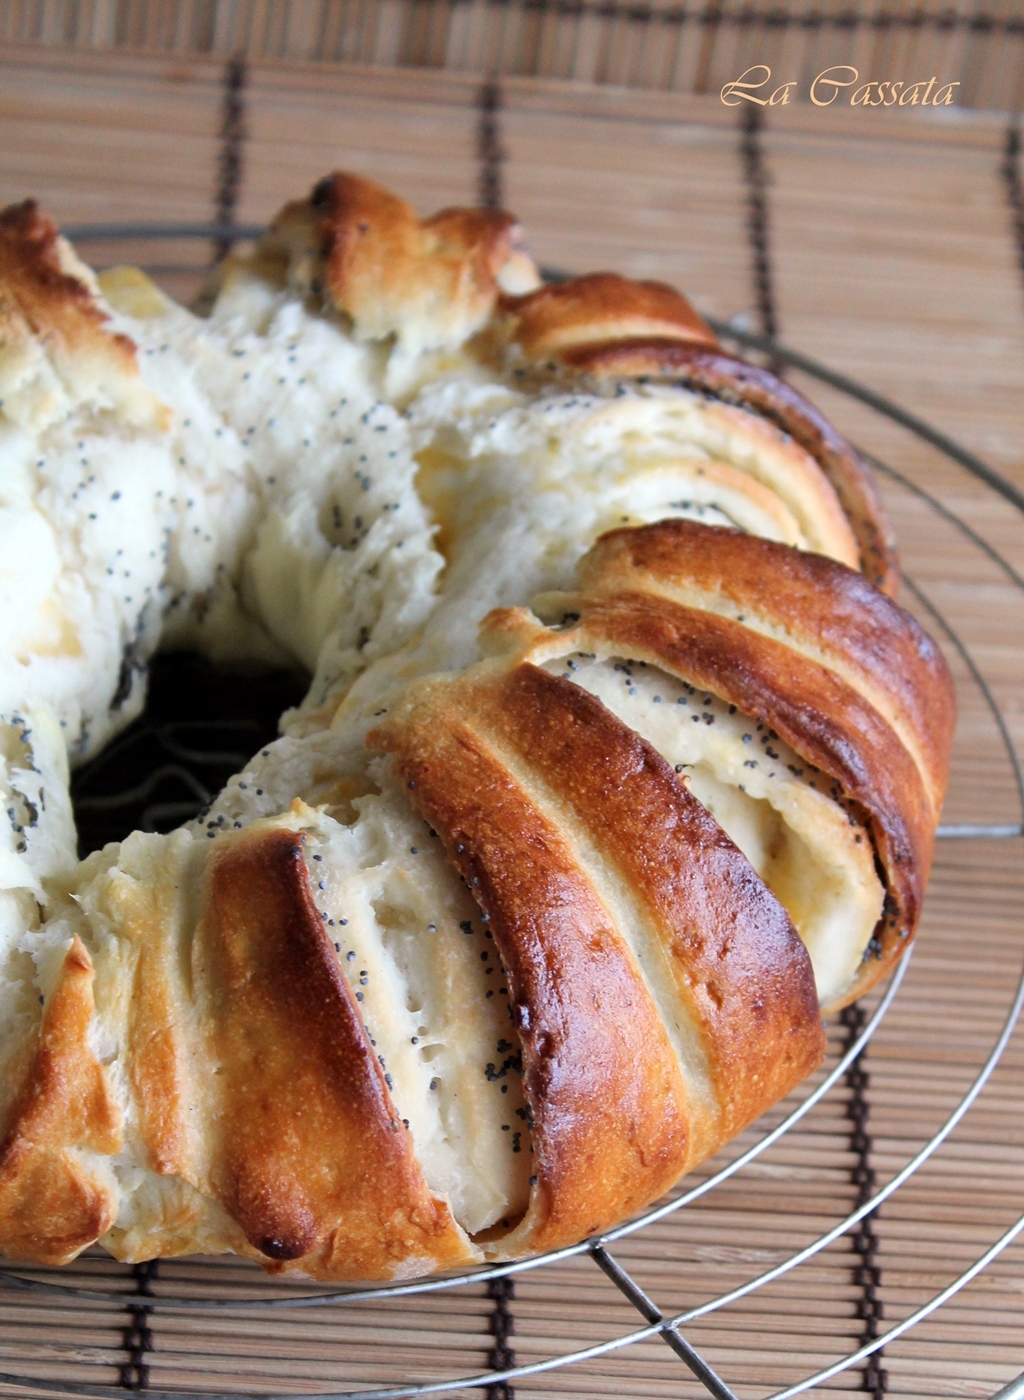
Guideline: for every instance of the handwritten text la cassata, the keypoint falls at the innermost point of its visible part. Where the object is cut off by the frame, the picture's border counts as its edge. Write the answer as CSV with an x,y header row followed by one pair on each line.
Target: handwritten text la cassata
x,y
831,82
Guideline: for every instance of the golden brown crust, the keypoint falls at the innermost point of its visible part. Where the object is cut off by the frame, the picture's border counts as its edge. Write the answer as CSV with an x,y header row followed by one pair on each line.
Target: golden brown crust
x,y
55,349
710,370
307,1153
53,1203
811,709
739,966
610,1121
823,607
836,668
555,320
433,282
52,302
145,914
614,1125
607,326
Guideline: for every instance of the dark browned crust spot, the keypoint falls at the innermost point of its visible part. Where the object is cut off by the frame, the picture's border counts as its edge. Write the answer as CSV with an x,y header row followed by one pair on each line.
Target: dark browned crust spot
x,y
310,1157
53,1205
355,214
371,254
611,1124
709,370
55,306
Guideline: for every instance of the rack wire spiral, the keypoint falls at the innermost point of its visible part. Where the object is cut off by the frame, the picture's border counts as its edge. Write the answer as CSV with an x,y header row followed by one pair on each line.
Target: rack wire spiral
x,y
196,751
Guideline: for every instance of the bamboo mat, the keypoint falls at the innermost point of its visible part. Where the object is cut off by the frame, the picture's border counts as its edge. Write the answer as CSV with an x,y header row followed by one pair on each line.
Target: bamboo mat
x,y
889,243
683,46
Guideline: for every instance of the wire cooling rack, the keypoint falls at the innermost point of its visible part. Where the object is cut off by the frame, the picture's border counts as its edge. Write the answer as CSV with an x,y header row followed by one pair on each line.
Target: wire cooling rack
x,y
196,751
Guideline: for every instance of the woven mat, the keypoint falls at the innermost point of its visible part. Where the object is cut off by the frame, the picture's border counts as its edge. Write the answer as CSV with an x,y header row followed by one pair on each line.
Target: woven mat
x,y
889,247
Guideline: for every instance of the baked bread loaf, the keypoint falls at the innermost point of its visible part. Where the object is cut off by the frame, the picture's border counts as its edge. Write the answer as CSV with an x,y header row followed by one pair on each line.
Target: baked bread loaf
x,y
614,773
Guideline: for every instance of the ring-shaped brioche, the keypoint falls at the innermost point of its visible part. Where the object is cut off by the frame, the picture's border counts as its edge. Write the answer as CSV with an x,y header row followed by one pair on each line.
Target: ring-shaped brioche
x,y
503,935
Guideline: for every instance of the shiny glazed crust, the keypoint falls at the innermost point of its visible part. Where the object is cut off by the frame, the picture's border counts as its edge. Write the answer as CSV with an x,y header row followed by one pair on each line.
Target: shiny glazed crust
x,y
842,673
308,1153
576,838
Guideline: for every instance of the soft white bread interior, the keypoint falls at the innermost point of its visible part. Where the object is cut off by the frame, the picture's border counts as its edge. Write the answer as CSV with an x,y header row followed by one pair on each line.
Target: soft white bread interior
x,y
284,502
